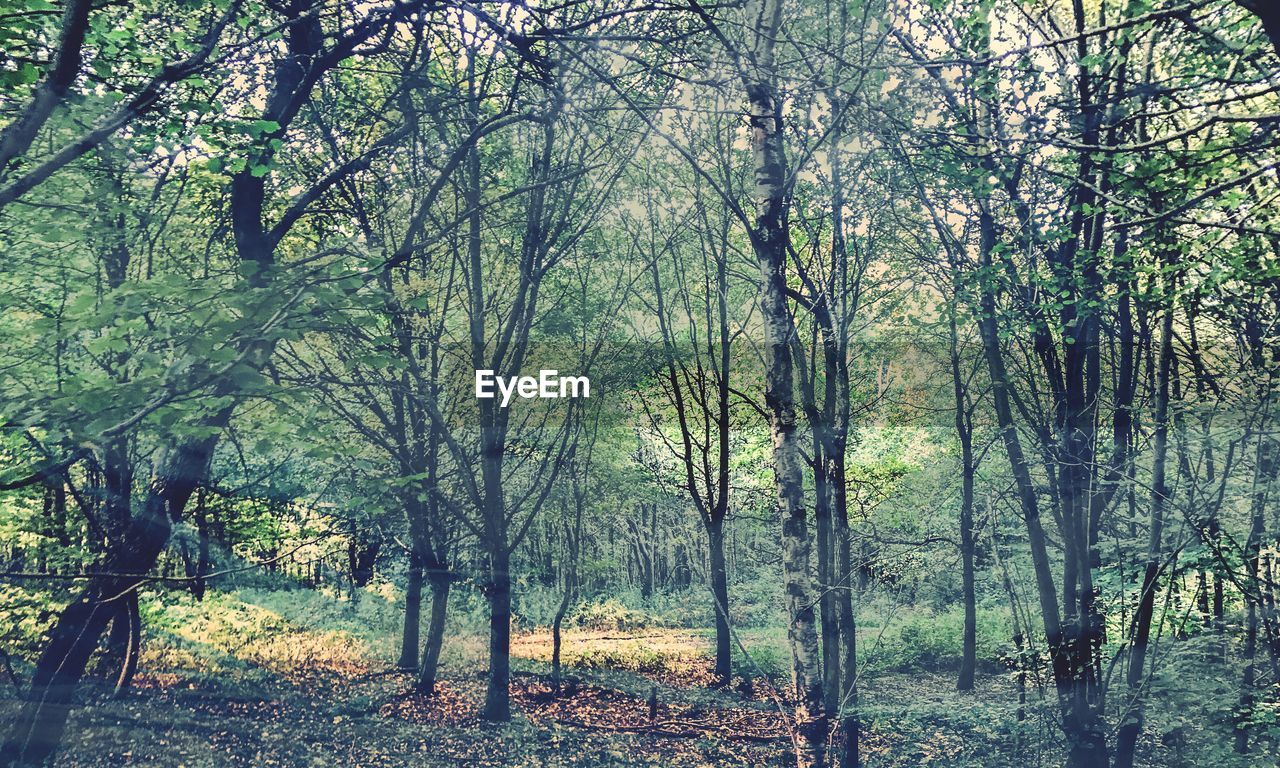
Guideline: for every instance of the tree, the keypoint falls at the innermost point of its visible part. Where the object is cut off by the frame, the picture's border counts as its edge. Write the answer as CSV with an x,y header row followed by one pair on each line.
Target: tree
x,y
218,375
697,336
503,298
82,27
1049,266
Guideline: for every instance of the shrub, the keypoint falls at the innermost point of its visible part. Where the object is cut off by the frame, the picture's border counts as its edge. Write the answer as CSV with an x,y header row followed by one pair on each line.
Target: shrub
x,y
934,641
633,659
611,614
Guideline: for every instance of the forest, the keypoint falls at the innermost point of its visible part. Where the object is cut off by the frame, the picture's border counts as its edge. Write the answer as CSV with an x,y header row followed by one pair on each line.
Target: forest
x,y
681,383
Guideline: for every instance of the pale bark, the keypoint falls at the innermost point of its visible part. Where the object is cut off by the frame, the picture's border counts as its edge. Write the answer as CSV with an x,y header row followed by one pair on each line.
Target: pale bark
x,y
769,238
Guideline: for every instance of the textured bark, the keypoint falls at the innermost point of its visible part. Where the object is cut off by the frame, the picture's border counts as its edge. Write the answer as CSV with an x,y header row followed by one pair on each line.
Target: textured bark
x,y
828,621
769,239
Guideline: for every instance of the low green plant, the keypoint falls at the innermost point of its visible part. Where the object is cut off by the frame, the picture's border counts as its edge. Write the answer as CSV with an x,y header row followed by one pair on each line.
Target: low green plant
x,y
931,641
611,614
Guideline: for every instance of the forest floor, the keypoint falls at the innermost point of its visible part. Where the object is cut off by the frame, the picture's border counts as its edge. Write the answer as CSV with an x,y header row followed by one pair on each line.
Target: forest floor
x,y
231,683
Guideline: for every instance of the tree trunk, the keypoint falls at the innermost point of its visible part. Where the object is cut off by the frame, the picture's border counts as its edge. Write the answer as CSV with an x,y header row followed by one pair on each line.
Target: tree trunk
x,y
412,614
198,582
440,582
1264,469
769,240
130,621
362,555
556,638
37,731
969,650
497,700
1131,727
829,624
964,433
850,721
720,596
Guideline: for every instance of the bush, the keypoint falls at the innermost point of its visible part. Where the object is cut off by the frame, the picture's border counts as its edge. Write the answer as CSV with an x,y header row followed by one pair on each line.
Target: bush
x,y
769,654
935,641
633,659
26,613
612,615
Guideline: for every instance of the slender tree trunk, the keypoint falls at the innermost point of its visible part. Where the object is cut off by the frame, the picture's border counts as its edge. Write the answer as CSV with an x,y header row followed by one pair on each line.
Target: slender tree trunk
x,y
573,540
1131,727
964,433
1248,679
1202,598
557,641
769,238
1219,610
1019,644
427,674
828,621
199,584
644,560
412,614
969,644
1264,469
720,597
850,721
1266,584
497,700
130,621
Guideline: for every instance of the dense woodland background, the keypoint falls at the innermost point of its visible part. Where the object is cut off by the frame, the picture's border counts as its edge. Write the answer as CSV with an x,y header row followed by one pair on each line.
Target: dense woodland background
x,y
933,351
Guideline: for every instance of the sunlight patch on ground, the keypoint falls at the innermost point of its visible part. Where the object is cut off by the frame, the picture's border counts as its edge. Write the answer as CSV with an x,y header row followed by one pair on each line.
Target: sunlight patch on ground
x,y
672,656
258,637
